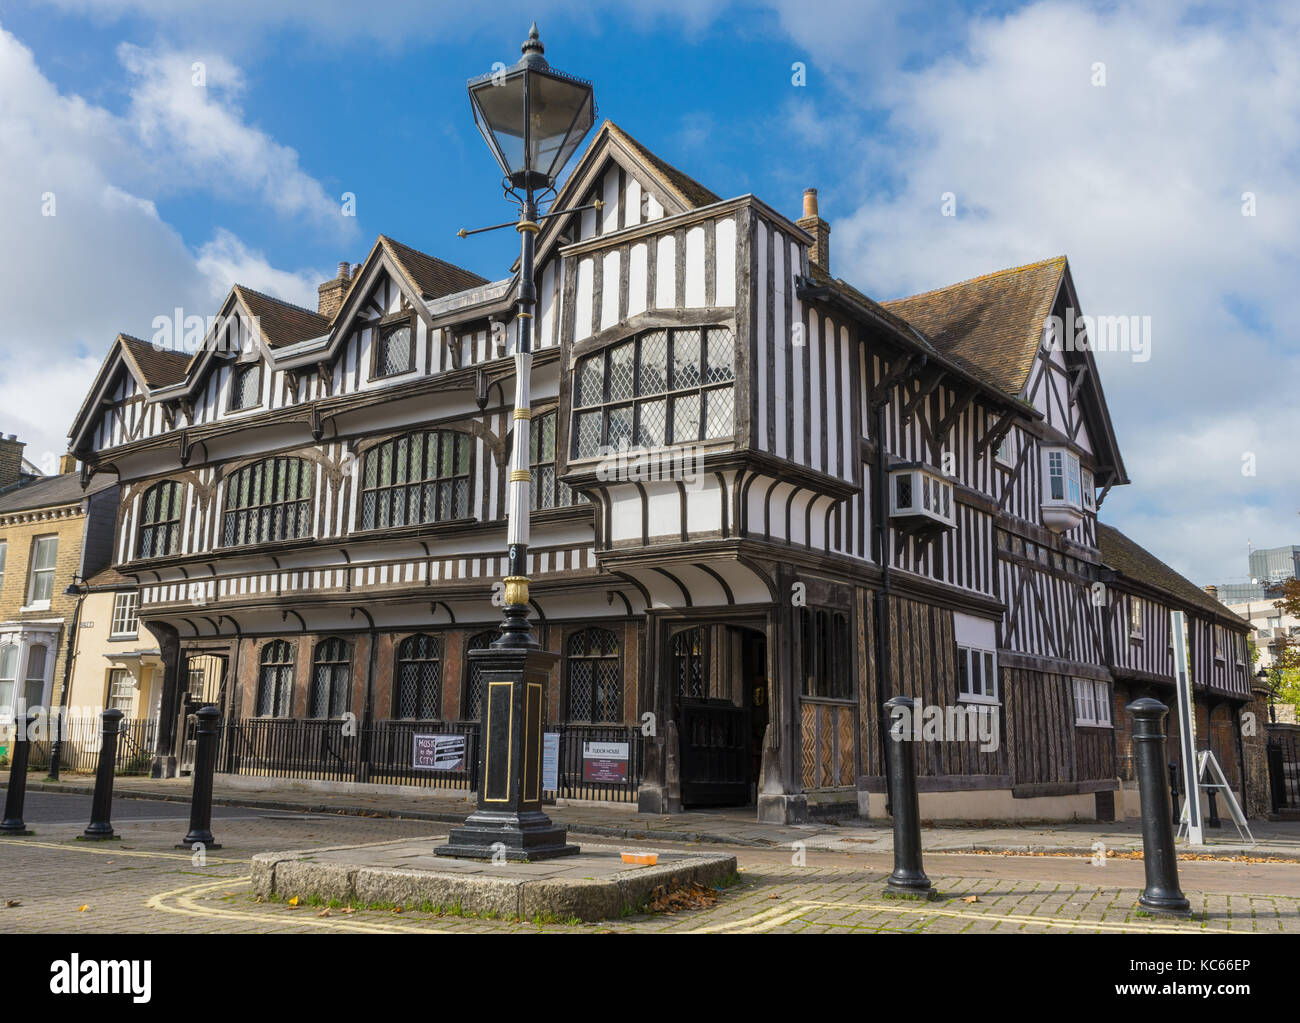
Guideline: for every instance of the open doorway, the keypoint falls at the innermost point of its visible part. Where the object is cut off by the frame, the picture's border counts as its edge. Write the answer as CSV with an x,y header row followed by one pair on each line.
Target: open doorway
x,y
720,672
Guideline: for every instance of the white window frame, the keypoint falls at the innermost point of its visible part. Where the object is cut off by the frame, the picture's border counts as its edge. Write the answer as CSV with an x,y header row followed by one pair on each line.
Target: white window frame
x,y
126,609
973,661
1089,489
1092,703
10,669
1070,469
43,604
1136,618
121,677
1005,453
4,552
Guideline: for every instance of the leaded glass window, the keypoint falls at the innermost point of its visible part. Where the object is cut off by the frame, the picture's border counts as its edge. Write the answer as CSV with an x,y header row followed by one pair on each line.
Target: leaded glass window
x,y
160,521
275,680
595,676
331,679
688,664
416,478
547,490
268,500
246,386
419,677
472,700
660,387
395,350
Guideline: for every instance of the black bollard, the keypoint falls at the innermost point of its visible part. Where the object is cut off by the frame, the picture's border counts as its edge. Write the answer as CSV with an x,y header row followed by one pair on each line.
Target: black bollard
x,y
205,764
1162,894
17,794
101,806
908,877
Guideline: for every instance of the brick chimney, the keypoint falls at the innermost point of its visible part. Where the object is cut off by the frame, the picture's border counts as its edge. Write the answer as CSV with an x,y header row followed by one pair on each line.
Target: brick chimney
x,y
1213,591
67,464
811,221
11,460
332,292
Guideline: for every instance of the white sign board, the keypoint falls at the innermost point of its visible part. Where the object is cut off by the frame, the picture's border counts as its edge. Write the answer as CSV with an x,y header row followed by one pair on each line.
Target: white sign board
x,y
550,761
1186,728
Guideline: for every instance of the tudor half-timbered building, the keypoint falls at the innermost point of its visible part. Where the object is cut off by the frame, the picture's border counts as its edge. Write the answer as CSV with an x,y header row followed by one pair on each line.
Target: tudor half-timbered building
x,y
763,503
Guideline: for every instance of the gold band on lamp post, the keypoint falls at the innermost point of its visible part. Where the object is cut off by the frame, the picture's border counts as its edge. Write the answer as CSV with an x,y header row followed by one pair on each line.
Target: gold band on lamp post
x,y
523,413
520,475
527,225
516,589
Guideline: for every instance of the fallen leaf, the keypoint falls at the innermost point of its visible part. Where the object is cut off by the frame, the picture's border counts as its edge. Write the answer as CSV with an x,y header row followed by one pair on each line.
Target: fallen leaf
x,y
669,899
324,912
11,903
82,909
347,909
971,898
293,901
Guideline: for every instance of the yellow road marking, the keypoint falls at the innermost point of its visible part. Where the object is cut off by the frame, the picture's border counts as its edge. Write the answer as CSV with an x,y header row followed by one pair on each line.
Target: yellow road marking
x,y
776,916
186,905
113,849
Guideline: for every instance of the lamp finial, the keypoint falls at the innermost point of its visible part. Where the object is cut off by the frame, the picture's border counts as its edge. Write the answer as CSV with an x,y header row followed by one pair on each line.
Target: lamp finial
x,y
534,42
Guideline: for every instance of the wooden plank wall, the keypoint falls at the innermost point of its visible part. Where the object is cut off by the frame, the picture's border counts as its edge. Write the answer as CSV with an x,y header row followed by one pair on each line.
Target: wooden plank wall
x,y
1045,745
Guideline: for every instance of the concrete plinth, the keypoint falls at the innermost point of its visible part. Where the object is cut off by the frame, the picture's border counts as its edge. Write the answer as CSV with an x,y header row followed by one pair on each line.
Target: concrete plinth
x,y
594,884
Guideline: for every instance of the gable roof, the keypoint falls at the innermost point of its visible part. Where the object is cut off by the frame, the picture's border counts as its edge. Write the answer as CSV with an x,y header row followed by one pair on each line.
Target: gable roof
x,y
433,277
1139,564
51,492
992,323
690,191
282,323
154,366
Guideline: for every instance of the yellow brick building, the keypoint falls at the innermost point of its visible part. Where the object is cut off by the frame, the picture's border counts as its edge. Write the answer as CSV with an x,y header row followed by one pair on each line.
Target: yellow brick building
x,y
53,535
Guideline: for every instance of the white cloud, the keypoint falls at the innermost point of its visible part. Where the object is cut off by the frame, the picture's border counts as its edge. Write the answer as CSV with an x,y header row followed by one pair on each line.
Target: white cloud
x,y
1140,183
105,261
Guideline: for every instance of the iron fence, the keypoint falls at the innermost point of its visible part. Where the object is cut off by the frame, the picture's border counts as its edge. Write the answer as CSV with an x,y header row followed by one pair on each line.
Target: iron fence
x,y
1284,766
579,776
382,752
335,750
79,751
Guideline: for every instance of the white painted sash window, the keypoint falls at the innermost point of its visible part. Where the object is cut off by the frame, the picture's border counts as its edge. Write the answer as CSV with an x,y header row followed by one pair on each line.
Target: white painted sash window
x,y
977,659
45,551
125,621
1092,703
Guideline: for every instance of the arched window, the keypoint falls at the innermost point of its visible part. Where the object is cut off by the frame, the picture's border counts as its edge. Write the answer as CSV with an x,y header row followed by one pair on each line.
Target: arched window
x,y
34,690
8,677
416,478
419,677
595,678
825,656
688,664
547,491
268,500
472,699
275,680
331,679
160,521
660,387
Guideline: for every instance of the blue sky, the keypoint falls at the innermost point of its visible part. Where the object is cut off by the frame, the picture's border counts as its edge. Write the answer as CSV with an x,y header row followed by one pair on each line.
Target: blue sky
x,y
166,192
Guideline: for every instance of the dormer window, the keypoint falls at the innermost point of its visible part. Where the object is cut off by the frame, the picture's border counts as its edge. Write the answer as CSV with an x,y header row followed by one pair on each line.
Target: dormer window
x,y
920,496
394,350
1063,498
246,386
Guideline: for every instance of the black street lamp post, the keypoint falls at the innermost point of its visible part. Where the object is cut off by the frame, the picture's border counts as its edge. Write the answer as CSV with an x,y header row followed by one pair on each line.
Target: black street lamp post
x,y
533,118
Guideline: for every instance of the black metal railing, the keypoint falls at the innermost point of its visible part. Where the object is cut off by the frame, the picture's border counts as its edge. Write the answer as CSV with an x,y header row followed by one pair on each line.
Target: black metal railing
x,y
577,774
1284,766
79,753
383,753
337,750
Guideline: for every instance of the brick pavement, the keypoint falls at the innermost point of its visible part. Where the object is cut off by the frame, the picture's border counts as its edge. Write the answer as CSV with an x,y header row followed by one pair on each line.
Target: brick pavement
x,y
141,883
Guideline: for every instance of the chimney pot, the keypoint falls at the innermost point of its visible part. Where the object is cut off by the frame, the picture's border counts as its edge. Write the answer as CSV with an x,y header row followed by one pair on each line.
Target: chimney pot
x,y
1213,591
332,292
343,269
811,221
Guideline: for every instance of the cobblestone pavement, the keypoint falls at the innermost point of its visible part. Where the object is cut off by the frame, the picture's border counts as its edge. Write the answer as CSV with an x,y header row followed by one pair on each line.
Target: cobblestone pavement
x,y
142,884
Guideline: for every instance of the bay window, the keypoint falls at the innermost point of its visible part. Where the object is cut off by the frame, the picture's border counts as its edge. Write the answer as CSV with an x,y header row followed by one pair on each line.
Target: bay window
x,y
658,388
